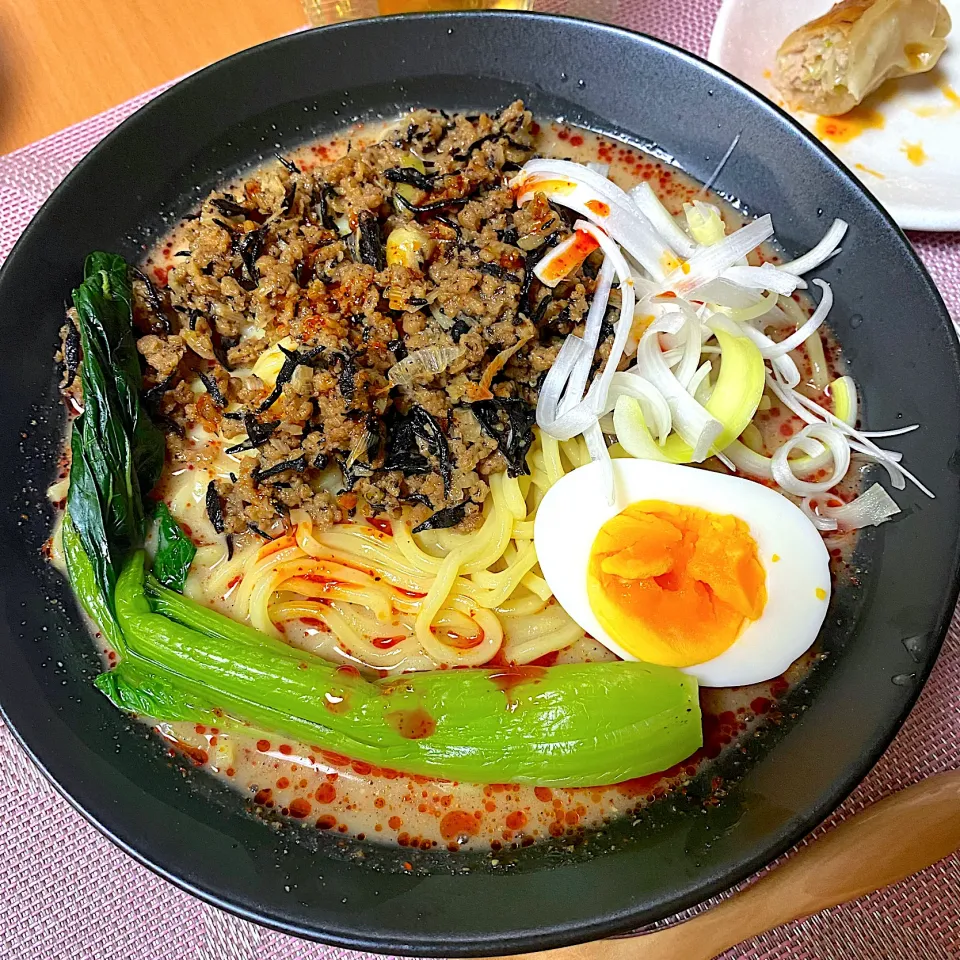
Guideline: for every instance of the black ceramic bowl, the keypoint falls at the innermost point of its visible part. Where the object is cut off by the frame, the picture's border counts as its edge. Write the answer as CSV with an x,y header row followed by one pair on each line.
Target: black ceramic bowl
x,y
888,317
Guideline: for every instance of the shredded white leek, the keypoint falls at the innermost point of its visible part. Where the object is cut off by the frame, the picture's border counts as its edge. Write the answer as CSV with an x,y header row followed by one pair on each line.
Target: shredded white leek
x,y
813,413
712,179
543,270
661,218
828,247
764,277
807,330
824,524
832,439
703,354
692,422
705,223
653,404
756,465
709,263
600,201
843,392
561,409
870,509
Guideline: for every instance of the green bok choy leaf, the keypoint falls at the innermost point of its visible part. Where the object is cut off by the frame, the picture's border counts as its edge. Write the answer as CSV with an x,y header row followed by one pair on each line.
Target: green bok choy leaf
x,y
117,452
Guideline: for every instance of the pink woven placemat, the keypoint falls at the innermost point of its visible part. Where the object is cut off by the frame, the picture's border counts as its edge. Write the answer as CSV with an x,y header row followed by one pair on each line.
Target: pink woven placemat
x,y
68,893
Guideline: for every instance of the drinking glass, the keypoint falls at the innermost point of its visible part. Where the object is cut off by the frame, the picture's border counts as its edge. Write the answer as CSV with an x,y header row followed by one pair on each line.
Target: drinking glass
x,y
320,12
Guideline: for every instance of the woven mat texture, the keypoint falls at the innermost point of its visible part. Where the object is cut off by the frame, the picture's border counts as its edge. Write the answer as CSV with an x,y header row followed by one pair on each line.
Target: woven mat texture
x,y
70,895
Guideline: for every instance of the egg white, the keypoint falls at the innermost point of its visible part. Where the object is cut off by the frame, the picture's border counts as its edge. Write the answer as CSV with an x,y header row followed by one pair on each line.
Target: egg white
x,y
574,509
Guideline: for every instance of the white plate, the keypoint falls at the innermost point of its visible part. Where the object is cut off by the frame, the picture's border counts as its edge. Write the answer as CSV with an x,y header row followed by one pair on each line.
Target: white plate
x,y
911,163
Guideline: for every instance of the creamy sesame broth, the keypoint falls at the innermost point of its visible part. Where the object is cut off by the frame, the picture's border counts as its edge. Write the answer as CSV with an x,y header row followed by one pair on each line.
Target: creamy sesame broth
x,y
327,792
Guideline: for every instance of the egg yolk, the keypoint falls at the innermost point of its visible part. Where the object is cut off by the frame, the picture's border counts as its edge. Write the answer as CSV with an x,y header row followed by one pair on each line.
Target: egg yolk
x,y
675,585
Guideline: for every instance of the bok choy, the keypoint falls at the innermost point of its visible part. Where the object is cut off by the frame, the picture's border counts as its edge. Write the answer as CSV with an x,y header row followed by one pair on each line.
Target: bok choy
x,y
116,450
569,725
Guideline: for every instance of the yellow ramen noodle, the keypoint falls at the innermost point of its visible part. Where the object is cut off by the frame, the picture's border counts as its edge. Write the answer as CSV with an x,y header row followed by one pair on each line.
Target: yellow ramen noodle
x,y
376,594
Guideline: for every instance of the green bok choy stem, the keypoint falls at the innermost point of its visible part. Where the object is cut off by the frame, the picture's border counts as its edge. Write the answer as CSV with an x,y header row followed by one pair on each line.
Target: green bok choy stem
x,y
571,725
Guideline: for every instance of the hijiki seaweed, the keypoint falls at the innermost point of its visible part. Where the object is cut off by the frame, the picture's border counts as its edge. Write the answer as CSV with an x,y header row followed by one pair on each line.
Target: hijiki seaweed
x,y
258,433
443,519
214,507
510,422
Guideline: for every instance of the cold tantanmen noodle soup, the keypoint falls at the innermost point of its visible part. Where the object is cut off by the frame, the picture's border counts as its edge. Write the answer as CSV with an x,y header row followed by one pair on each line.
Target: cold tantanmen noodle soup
x,y
345,351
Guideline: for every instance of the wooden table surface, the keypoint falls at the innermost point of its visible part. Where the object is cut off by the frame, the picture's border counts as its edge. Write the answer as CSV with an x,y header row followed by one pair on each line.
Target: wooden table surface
x,y
64,60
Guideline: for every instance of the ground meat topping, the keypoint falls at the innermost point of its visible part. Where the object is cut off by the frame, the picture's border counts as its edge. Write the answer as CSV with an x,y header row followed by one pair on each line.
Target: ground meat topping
x,y
367,333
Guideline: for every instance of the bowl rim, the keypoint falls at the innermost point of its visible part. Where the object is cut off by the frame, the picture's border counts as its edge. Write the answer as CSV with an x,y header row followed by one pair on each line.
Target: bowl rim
x,y
776,842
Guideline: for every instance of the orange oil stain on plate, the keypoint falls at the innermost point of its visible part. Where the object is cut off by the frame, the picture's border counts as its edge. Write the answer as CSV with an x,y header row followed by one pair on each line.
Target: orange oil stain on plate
x,y
951,95
953,104
873,173
915,153
850,126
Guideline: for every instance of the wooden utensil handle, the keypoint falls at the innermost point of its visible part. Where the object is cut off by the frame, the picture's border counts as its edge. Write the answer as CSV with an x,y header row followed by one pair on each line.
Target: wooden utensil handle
x,y
885,843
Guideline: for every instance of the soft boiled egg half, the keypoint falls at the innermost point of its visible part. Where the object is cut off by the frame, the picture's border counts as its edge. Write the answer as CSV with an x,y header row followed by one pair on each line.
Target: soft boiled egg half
x,y
719,576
